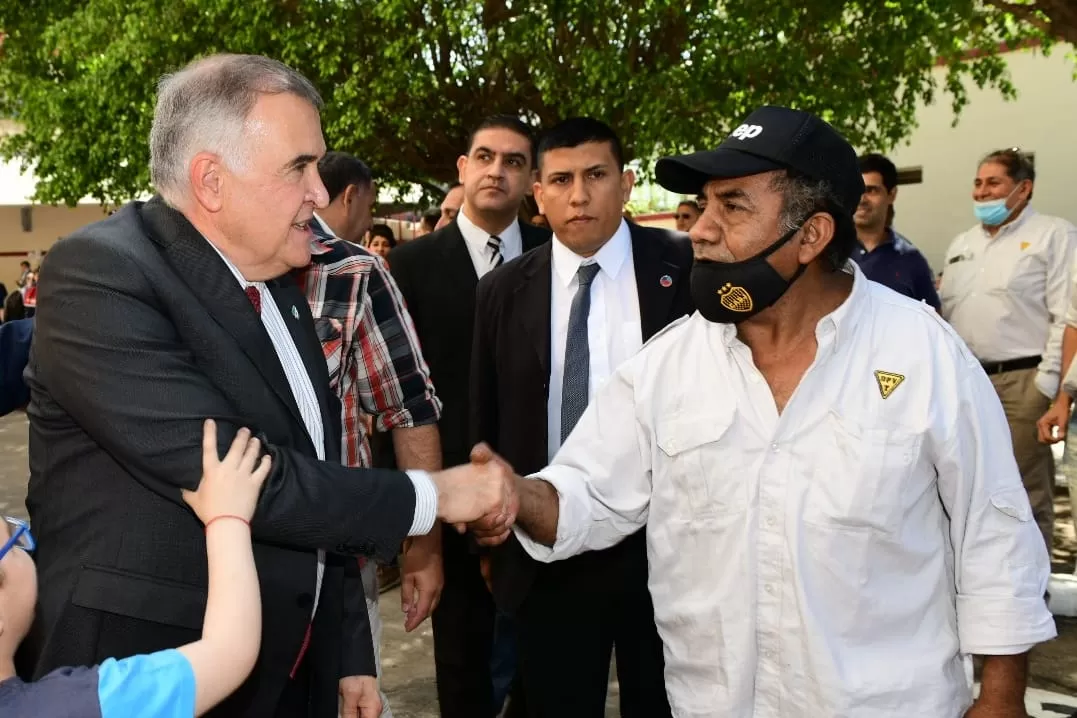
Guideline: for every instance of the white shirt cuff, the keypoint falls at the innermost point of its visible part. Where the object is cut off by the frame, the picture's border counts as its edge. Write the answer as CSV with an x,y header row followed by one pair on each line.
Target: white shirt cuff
x,y
426,503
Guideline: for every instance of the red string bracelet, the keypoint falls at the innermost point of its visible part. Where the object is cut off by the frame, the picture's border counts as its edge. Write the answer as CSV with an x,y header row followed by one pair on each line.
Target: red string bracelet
x,y
227,516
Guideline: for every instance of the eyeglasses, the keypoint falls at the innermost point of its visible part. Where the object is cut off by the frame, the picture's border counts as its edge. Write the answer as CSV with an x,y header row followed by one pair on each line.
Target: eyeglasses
x,y
683,216
20,537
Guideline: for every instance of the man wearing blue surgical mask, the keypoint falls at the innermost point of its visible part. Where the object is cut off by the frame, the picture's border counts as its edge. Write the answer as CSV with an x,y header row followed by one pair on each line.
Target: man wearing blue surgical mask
x,y
1005,289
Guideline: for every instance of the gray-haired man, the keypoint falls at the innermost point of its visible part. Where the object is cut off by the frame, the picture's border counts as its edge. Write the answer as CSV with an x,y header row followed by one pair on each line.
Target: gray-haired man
x,y
178,309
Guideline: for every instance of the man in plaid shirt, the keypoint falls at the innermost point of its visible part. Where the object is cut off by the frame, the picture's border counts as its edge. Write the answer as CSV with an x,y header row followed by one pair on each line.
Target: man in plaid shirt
x,y
375,367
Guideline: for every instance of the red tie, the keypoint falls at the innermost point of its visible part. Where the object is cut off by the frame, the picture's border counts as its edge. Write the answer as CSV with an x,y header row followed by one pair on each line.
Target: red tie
x,y
256,298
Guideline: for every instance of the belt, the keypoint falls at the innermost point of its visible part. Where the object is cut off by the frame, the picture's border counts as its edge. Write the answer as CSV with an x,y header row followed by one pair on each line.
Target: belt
x,y
1001,367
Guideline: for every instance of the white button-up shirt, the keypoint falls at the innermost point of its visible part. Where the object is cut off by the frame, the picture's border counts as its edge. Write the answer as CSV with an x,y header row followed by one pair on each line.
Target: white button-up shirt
x,y
613,324
307,400
512,243
1007,295
838,559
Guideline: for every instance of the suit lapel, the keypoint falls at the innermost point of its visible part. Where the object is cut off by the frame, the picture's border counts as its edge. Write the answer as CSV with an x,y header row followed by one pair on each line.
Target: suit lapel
x,y
203,270
656,282
531,298
458,265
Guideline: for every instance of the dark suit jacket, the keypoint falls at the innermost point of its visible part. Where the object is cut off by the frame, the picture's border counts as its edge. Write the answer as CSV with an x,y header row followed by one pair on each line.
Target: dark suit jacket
x,y
438,280
510,374
142,332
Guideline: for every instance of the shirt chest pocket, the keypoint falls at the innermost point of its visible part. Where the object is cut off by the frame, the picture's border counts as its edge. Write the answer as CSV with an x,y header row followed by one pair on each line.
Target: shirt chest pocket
x,y
861,475
331,334
695,458
1025,274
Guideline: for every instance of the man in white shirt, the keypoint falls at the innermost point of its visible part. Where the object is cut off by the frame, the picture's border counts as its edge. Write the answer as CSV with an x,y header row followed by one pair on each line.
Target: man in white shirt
x,y
834,515
1005,290
550,329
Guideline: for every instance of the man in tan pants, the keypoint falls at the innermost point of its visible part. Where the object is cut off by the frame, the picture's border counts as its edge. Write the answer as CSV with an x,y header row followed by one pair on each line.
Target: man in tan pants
x,y
1005,290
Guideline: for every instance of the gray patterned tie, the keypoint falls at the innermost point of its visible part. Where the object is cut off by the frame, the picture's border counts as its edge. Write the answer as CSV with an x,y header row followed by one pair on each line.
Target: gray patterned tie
x,y
577,353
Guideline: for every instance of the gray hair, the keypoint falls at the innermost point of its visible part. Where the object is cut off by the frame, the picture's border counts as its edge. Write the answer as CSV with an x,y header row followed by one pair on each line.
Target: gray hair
x,y
801,198
204,107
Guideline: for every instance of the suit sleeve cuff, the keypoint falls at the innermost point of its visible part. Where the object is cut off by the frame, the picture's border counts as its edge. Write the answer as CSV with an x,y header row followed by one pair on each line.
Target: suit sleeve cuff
x,y
990,626
426,503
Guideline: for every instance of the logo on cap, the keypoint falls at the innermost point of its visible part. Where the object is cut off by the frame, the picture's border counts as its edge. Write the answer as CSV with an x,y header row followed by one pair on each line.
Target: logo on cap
x,y
747,132
735,299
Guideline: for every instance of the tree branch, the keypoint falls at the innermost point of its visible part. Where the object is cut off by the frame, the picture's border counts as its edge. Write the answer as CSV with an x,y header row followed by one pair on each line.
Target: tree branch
x,y
1024,13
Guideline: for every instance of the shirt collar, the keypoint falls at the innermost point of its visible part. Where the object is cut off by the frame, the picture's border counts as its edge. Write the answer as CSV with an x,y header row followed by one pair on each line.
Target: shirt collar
x,y
235,270
610,258
889,240
1013,226
478,237
835,327
320,245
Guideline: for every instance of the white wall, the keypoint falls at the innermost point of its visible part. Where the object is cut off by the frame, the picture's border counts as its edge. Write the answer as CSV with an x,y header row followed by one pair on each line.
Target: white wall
x,y
1043,120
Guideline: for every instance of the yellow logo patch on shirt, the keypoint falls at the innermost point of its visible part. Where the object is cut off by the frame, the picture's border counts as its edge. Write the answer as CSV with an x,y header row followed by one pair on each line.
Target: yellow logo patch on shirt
x,y
1025,245
888,381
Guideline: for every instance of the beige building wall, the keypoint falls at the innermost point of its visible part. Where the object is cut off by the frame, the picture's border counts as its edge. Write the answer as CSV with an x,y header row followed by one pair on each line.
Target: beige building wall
x,y
48,224
1042,120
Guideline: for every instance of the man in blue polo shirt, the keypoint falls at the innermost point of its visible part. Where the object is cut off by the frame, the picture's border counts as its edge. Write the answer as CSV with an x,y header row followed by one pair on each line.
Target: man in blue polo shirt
x,y
884,255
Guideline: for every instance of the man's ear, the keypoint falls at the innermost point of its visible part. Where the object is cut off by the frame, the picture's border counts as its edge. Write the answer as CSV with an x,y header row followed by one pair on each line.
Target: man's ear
x,y
206,177
628,181
816,234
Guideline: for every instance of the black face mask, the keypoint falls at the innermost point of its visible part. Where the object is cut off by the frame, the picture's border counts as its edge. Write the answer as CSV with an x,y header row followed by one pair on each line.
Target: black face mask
x,y
730,292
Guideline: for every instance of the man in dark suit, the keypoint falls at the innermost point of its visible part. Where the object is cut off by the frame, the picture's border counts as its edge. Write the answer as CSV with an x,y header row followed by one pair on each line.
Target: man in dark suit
x,y
550,328
437,275
178,309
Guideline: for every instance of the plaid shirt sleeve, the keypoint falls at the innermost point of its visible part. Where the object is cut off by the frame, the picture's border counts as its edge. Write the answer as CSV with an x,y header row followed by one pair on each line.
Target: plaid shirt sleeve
x,y
392,380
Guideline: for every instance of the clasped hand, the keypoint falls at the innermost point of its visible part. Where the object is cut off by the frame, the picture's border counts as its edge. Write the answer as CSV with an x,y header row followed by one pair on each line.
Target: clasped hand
x,y
480,496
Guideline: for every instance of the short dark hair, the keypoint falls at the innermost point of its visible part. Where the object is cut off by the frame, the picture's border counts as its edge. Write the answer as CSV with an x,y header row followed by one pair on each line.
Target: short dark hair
x,y
802,197
1018,165
24,263
339,169
503,122
14,307
383,230
689,203
430,219
577,131
874,162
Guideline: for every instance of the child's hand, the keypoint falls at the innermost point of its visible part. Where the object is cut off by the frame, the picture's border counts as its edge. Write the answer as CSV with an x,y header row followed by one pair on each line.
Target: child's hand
x,y
230,485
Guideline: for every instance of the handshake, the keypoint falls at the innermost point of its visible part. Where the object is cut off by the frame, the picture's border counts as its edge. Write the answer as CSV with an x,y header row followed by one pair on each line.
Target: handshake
x,y
480,496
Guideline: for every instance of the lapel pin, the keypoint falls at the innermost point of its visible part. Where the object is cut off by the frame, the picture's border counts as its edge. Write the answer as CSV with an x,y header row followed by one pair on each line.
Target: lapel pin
x,y
295,312
666,281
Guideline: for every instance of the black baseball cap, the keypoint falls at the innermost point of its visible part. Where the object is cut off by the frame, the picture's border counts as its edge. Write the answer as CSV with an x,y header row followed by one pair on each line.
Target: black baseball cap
x,y
771,138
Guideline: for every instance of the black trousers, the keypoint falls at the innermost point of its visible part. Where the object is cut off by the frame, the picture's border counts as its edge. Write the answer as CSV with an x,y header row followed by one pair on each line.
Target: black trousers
x,y
577,611
463,626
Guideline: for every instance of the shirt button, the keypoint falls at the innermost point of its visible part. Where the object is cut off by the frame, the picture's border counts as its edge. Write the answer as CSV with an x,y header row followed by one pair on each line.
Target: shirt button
x,y
769,588
753,377
770,521
774,448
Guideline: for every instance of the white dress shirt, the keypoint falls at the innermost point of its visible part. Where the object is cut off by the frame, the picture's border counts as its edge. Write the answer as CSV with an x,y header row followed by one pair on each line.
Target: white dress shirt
x,y
512,243
1007,295
841,558
613,324
310,410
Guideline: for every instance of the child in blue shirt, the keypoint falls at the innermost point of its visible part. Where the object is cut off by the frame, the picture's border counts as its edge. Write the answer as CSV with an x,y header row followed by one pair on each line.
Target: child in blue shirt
x,y
182,682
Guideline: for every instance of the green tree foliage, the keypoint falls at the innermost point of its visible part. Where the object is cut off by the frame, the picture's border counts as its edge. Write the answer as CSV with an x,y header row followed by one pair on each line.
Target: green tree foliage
x,y
404,80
